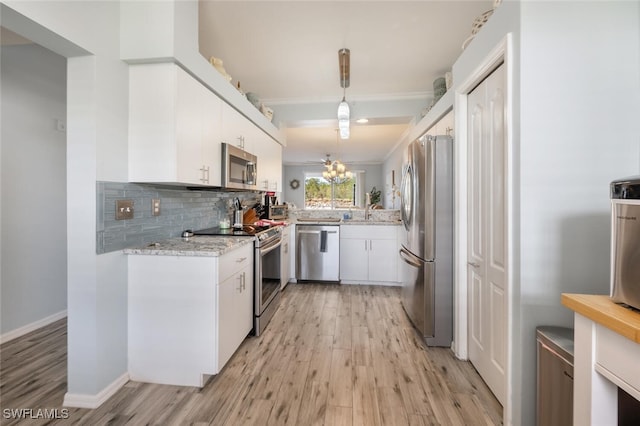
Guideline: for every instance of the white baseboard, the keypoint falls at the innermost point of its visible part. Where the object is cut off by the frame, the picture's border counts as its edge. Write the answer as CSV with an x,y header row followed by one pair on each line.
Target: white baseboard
x,y
14,334
378,283
78,400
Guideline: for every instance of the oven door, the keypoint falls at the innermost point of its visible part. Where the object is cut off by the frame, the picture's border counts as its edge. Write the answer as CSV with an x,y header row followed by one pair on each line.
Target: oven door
x,y
267,277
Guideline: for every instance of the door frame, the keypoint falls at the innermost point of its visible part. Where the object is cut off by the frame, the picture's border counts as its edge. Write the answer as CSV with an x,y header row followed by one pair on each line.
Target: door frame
x,y
502,52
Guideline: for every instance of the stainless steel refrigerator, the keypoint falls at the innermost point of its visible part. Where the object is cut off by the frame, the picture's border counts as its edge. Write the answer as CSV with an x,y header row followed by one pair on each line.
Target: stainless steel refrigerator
x,y
427,249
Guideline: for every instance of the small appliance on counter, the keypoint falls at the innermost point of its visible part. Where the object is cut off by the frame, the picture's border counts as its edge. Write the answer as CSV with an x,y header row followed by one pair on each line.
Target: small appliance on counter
x,y
238,214
272,209
625,241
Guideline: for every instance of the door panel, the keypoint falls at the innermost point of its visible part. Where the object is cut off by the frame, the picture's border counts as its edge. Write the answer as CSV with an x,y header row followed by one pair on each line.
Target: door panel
x,y
487,230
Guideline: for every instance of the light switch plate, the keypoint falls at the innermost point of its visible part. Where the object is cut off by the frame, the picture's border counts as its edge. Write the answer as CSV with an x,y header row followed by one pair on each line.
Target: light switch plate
x,y
124,209
155,206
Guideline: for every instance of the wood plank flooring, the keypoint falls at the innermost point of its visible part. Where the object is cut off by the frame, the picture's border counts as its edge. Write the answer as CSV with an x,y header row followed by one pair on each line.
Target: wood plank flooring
x,y
332,355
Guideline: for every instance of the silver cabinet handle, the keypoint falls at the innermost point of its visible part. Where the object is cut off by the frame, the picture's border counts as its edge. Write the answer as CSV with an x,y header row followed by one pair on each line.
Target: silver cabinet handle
x,y
244,281
365,245
241,259
473,264
239,283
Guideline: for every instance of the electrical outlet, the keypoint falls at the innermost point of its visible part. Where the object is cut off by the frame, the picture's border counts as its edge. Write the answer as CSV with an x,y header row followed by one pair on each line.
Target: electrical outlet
x,y
124,209
155,207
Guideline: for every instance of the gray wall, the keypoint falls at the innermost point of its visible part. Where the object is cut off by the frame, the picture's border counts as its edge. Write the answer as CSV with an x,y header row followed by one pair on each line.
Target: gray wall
x,y
372,177
34,230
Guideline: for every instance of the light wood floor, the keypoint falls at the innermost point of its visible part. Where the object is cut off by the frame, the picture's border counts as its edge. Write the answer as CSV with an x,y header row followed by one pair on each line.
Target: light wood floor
x,y
332,355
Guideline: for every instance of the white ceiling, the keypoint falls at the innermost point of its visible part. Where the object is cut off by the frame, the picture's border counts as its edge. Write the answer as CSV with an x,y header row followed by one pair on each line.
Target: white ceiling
x,y
287,53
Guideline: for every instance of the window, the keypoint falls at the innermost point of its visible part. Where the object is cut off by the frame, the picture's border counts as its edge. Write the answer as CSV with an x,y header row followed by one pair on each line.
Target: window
x,y
321,194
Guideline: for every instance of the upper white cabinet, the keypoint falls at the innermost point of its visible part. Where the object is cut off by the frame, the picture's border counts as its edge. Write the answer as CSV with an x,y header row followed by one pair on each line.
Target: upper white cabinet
x,y
237,130
269,153
369,253
177,126
174,127
444,126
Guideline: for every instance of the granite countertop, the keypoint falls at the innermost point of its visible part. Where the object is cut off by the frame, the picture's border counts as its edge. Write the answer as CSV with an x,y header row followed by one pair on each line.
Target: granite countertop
x,y
320,221
199,245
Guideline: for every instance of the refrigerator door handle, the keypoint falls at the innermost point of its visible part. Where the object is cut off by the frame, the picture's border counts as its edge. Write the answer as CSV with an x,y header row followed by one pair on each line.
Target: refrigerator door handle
x,y
407,257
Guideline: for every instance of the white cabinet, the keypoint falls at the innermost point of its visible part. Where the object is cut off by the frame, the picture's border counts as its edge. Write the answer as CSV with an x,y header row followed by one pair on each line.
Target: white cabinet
x,y
285,257
269,153
240,132
235,302
369,253
444,126
187,315
174,127
237,130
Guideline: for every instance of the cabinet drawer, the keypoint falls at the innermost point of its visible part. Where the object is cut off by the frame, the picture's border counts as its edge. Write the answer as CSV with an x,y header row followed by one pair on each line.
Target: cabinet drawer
x,y
375,232
234,261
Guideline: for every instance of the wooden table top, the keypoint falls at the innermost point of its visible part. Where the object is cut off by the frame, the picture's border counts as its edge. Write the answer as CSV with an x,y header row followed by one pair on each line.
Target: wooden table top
x,y
600,309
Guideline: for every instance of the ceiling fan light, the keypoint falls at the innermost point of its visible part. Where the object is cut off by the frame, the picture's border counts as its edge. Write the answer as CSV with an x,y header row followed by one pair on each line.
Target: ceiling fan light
x,y
348,174
333,173
341,168
326,175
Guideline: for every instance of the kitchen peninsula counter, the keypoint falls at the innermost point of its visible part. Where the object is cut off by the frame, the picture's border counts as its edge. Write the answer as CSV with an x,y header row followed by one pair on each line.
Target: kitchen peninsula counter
x,y
197,246
600,309
607,349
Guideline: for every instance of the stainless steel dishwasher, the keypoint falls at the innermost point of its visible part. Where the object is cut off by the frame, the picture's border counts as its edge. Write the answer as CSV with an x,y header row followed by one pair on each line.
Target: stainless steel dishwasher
x,y
318,252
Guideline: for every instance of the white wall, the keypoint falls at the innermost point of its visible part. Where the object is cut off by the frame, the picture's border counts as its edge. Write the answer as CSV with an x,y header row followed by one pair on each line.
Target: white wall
x,y
576,99
96,150
580,102
34,226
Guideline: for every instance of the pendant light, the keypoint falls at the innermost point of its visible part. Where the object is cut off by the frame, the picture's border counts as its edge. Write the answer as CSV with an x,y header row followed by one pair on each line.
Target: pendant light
x,y
344,58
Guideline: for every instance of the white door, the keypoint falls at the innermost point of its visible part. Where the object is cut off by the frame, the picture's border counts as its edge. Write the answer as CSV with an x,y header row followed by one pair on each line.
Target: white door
x,y
487,235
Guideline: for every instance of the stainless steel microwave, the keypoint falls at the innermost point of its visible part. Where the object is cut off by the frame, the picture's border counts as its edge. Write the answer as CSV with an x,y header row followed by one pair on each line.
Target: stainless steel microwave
x,y
239,168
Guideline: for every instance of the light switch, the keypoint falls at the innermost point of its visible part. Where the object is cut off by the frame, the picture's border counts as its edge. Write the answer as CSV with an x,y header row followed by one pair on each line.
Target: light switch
x,y
124,209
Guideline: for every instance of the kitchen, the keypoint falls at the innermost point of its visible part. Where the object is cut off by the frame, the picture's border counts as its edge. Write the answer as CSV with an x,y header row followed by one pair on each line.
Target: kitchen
x,y
551,235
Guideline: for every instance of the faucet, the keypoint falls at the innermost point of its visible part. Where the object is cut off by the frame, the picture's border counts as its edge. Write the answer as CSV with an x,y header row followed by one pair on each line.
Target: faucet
x,y
367,204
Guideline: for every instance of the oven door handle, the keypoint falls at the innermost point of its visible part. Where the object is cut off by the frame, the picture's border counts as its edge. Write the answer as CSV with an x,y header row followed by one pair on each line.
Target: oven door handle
x,y
269,248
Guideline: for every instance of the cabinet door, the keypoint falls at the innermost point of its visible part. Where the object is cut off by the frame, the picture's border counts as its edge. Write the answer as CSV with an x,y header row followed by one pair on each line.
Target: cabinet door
x,y
285,257
227,312
245,305
189,114
152,123
234,128
211,136
354,259
269,153
383,260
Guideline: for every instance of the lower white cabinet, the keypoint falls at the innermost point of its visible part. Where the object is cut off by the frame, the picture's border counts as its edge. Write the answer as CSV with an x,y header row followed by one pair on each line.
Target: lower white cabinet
x,y
235,312
369,253
187,315
285,256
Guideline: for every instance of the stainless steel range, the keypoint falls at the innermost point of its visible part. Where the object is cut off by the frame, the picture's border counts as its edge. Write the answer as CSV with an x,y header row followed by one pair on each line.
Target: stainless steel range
x,y
266,285
267,276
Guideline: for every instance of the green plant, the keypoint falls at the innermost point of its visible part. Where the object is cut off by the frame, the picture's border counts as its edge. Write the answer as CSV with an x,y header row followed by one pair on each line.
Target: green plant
x,y
375,195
